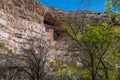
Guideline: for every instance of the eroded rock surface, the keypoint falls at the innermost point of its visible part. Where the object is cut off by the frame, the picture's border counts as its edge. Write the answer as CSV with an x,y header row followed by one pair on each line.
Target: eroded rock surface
x,y
21,20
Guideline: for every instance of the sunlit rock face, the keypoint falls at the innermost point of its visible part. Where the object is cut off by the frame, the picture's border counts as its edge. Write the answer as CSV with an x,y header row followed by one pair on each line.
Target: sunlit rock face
x,y
22,20
15,32
26,9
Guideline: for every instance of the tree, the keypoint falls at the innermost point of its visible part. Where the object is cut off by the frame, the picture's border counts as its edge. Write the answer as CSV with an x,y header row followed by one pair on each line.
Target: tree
x,y
97,49
36,59
7,59
31,65
112,7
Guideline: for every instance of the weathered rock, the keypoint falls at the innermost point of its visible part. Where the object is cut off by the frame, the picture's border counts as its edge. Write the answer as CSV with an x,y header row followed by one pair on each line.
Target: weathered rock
x,y
27,9
16,31
21,20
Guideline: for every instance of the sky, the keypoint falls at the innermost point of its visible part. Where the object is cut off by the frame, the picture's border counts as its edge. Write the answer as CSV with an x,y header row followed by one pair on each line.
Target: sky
x,y
73,5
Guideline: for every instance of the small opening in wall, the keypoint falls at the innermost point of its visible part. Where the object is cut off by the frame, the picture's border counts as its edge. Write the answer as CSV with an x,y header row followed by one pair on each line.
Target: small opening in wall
x,y
58,34
49,23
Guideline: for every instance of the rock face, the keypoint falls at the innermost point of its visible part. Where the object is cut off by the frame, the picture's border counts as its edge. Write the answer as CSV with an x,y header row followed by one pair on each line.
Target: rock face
x,y
16,32
26,9
21,20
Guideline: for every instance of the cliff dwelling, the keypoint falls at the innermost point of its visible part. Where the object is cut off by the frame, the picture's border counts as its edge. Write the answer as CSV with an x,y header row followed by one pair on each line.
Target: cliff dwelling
x,y
53,29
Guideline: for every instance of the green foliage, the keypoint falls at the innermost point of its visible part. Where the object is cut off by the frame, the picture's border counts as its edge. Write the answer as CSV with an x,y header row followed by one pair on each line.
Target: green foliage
x,y
72,32
3,47
112,7
99,34
108,7
63,69
101,40
99,46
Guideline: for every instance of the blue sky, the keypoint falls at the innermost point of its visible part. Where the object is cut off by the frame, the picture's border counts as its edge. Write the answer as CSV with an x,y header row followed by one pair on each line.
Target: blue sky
x,y
72,5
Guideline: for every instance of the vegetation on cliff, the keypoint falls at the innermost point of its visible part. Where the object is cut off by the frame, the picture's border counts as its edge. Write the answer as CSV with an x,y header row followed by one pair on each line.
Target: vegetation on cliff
x,y
94,48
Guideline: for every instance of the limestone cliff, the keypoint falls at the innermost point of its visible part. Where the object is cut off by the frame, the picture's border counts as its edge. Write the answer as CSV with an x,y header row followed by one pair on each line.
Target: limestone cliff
x,y
21,20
